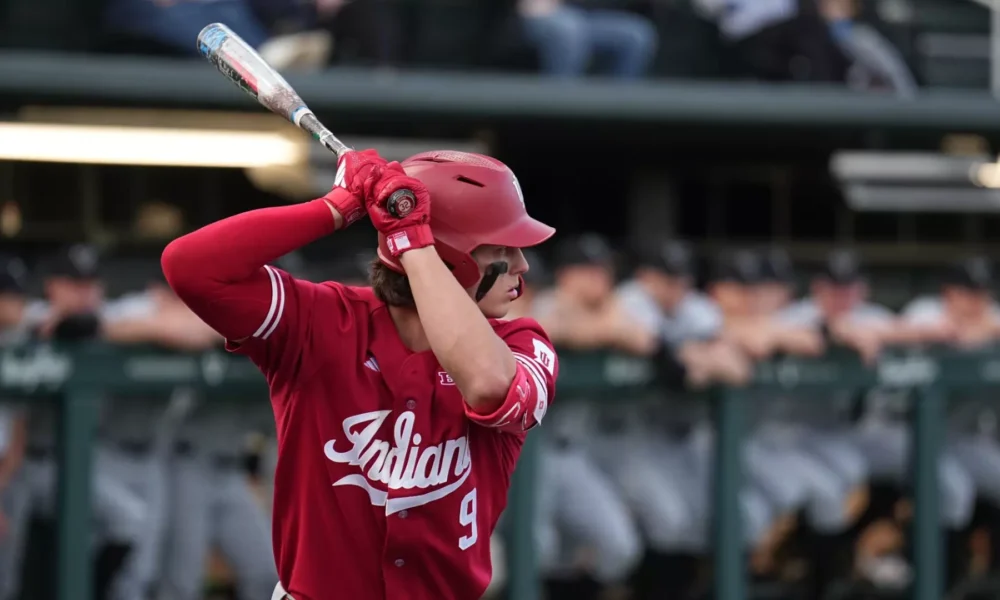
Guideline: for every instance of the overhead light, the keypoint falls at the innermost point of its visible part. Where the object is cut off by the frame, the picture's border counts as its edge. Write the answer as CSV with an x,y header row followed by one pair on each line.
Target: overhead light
x,y
147,146
890,198
911,167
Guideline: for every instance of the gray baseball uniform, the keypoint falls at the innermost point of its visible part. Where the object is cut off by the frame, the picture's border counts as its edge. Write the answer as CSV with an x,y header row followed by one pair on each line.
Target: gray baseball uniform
x,y
882,439
135,440
120,514
660,455
212,503
971,440
578,506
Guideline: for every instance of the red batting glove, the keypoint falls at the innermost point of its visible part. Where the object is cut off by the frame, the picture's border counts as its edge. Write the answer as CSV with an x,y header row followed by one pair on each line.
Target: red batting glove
x,y
409,228
357,174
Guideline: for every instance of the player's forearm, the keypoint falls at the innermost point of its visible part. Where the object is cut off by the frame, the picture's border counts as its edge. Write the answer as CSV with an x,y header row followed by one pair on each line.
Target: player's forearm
x,y
172,333
235,248
461,338
800,341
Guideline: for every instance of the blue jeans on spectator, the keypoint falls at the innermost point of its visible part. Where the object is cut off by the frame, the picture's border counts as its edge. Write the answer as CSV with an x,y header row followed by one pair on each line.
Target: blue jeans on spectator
x,y
568,38
177,24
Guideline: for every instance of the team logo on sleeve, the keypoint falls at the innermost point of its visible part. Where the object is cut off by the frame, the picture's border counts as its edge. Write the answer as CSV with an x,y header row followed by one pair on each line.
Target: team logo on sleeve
x,y
545,356
445,378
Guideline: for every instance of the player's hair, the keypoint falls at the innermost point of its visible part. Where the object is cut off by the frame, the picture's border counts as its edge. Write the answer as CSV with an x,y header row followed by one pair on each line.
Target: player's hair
x,y
390,287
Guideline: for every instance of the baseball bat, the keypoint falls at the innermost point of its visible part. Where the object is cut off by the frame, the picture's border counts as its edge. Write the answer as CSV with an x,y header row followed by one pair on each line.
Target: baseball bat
x,y
241,64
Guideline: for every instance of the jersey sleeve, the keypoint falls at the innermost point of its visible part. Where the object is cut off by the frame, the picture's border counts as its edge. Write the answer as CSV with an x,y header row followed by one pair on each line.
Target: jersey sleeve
x,y
278,311
534,385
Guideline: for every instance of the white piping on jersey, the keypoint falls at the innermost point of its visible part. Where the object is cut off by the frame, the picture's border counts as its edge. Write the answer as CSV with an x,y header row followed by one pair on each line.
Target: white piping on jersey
x,y
507,417
277,305
535,371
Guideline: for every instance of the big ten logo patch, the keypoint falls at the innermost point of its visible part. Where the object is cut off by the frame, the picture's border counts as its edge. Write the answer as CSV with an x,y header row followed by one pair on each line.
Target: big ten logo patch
x,y
545,356
445,378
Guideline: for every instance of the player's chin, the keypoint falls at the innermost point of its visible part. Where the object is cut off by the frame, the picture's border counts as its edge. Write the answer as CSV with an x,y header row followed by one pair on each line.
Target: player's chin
x,y
495,308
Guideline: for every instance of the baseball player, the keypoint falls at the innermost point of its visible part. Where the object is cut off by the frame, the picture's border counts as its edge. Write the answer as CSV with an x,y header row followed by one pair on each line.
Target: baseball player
x,y
788,477
837,307
71,311
136,435
212,503
803,424
668,467
401,408
580,509
964,315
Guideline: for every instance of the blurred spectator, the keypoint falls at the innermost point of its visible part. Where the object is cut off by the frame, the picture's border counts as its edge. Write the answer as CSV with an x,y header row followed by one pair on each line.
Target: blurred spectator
x,y
175,24
364,31
809,40
875,62
568,37
778,40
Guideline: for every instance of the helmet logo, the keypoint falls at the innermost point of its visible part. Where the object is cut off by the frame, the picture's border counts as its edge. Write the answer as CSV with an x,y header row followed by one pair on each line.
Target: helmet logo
x,y
517,186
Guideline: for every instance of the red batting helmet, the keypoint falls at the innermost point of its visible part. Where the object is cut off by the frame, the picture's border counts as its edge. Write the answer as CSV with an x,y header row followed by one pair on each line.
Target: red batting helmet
x,y
475,200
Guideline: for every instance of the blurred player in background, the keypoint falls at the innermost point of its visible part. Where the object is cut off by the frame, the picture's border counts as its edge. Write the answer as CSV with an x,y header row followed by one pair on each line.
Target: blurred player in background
x,y
137,434
71,311
584,554
802,425
661,458
838,308
965,316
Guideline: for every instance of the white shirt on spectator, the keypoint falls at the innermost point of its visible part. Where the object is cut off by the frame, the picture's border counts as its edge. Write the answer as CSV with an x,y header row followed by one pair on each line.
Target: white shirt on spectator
x,y
806,313
929,310
696,317
738,19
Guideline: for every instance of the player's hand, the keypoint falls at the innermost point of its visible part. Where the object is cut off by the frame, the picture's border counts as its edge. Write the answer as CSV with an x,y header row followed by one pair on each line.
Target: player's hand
x,y
357,172
407,226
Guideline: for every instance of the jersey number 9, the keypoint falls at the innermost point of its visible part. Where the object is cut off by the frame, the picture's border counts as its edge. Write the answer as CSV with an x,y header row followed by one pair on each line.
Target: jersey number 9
x,y
467,518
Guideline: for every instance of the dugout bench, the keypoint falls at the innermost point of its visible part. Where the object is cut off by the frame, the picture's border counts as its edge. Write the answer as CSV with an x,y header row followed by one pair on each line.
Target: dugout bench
x,y
79,375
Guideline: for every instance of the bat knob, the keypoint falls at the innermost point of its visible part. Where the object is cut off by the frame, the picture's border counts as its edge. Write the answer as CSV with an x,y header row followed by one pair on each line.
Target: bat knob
x,y
401,203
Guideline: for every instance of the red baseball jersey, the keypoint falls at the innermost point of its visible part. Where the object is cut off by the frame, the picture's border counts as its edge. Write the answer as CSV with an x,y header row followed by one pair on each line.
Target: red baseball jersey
x,y
388,485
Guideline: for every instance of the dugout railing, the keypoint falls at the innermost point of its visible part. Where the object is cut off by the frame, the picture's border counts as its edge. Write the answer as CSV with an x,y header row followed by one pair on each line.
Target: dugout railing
x,y
80,376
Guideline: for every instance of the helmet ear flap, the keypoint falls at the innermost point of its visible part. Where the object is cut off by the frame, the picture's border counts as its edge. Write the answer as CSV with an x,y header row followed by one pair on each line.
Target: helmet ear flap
x,y
462,265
